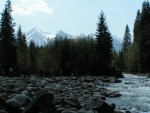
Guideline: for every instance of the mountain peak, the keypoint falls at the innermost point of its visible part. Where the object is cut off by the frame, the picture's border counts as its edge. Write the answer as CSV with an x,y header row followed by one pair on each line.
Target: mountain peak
x,y
36,29
39,37
61,33
64,34
118,38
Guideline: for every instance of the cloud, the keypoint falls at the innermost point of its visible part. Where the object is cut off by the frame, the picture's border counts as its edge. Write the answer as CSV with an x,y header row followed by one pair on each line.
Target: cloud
x,y
29,7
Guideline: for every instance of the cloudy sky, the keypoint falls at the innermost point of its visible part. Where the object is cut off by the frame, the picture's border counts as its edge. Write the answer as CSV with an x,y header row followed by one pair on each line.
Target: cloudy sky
x,y
74,16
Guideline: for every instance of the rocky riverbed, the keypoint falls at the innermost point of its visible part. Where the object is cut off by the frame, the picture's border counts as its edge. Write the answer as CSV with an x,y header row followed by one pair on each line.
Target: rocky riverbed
x,y
57,95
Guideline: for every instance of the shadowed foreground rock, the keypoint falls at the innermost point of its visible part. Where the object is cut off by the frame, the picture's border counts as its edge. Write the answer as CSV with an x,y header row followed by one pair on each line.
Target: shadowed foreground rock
x,y
2,111
14,104
72,102
102,107
42,103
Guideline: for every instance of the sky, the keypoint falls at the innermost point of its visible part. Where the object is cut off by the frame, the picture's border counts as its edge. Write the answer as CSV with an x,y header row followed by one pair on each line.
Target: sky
x,y
74,16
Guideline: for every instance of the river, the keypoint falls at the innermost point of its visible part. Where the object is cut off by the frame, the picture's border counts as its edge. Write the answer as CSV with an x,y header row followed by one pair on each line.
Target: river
x,y
135,92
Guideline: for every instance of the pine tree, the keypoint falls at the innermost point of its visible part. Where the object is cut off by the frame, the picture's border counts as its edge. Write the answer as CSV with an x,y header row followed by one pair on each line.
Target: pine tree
x,y
65,57
115,58
1,50
21,48
136,26
103,43
135,67
145,38
126,46
1,53
33,56
121,63
7,37
142,39
21,38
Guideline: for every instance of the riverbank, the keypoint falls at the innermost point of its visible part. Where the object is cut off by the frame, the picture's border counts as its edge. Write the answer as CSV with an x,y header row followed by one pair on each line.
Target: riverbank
x,y
67,94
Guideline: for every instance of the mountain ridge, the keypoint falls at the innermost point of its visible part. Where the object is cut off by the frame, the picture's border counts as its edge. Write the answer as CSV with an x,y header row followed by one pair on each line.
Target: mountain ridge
x,y
40,38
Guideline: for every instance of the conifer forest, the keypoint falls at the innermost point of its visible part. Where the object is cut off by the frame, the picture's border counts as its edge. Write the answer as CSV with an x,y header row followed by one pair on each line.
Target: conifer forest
x,y
83,55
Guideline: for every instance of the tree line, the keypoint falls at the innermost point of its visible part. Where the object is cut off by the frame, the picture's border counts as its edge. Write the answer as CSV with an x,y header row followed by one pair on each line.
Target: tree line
x,y
83,55
135,55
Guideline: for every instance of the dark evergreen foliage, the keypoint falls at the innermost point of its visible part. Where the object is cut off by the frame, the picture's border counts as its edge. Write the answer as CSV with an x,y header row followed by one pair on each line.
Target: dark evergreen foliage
x,y
7,38
73,56
65,57
121,62
103,44
142,39
22,50
33,57
136,26
135,67
126,47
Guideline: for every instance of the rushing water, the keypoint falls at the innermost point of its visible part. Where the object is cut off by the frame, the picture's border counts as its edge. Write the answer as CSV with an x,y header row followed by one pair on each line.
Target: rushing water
x,y
135,92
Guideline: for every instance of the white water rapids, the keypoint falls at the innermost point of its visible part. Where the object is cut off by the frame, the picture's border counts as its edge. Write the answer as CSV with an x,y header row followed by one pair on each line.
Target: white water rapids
x,y
135,92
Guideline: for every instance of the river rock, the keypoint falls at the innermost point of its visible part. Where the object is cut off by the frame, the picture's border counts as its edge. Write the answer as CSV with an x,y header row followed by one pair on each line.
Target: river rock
x,y
11,96
16,102
2,111
102,107
42,103
68,111
86,111
22,99
115,80
2,101
2,89
89,80
25,92
123,111
12,105
19,89
72,101
103,98
114,95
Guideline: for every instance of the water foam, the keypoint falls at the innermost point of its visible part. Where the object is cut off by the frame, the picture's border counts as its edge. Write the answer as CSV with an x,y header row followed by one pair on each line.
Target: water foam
x,y
135,92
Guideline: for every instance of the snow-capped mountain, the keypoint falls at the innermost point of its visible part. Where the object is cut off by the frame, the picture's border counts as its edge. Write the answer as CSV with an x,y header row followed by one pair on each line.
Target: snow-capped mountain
x,y
118,38
64,34
117,42
117,45
39,37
